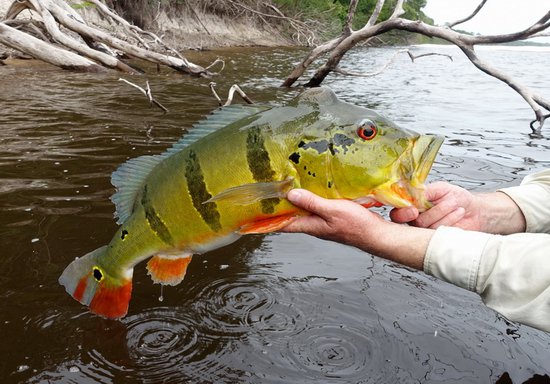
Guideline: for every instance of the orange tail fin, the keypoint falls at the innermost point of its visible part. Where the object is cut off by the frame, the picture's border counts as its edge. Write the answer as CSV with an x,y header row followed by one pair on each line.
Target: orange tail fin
x,y
168,269
86,281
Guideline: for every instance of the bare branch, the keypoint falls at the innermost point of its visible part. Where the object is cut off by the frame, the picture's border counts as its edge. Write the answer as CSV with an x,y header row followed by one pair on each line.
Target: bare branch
x,y
475,12
218,60
234,88
147,93
349,18
212,86
374,17
390,62
398,10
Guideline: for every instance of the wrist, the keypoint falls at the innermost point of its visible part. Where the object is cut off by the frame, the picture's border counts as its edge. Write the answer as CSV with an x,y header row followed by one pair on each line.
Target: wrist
x,y
498,214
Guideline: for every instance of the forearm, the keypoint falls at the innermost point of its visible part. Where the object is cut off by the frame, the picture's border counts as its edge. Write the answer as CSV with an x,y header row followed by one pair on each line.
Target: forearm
x,y
396,242
499,214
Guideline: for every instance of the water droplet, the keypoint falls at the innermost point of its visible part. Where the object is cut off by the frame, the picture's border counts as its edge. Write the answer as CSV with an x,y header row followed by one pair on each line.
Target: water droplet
x,y
224,266
35,240
74,369
22,368
161,297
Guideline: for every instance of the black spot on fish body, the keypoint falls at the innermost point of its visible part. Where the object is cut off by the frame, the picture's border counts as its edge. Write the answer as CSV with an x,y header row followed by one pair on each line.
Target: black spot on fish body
x,y
154,220
295,157
329,184
343,141
301,144
321,146
199,193
332,149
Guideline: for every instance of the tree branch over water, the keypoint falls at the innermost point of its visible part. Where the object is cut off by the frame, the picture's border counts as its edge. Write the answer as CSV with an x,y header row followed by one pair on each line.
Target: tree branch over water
x,y
338,47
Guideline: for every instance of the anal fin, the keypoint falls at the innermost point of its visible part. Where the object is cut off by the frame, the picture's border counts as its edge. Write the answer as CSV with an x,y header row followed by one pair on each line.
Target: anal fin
x,y
168,269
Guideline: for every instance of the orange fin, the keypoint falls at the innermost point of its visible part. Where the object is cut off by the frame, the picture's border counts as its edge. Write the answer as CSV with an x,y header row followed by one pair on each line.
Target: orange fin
x,y
111,301
168,269
270,224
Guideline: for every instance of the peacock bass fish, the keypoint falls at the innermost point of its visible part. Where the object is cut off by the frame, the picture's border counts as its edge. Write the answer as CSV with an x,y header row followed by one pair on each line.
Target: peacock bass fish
x,y
229,176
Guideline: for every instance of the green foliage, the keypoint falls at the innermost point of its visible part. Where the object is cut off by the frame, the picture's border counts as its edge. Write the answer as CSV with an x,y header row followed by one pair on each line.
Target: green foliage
x,y
84,4
337,10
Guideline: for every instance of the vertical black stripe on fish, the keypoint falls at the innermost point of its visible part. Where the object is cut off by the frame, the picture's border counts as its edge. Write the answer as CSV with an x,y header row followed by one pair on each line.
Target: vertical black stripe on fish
x,y
259,164
199,193
154,220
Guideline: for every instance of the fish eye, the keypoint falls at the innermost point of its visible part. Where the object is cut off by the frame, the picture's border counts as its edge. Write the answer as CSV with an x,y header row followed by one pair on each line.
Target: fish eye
x,y
367,130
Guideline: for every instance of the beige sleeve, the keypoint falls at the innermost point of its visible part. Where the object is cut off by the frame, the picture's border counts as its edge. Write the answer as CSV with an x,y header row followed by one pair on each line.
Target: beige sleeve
x,y
533,198
511,273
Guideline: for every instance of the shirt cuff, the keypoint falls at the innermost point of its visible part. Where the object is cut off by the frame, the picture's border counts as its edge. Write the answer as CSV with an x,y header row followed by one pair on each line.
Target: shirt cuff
x,y
532,200
454,256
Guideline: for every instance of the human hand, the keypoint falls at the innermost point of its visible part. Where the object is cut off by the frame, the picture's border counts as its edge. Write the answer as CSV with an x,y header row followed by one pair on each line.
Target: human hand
x,y
343,221
350,223
453,206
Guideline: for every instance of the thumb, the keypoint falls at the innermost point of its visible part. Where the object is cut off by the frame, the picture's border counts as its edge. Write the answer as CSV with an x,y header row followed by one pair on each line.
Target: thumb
x,y
310,202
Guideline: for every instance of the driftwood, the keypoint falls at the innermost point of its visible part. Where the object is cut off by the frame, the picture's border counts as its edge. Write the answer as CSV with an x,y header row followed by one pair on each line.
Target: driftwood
x,y
337,48
82,47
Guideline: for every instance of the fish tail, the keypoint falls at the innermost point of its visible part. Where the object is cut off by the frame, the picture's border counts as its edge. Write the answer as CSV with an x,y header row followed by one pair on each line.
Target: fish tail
x,y
90,284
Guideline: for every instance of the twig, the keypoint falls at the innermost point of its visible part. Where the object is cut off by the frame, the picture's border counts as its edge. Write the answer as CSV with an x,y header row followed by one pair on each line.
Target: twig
x,y
212,86
413,57
147,93
218,60
234,88
390,62
475,12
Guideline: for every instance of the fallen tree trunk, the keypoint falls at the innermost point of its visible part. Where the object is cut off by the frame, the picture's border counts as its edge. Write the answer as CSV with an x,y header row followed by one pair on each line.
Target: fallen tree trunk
x,y
85,44
41,50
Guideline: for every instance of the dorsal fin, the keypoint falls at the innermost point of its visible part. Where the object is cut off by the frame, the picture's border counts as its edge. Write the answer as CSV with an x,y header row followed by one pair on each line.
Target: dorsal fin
x,y
218,119
130,177
128,180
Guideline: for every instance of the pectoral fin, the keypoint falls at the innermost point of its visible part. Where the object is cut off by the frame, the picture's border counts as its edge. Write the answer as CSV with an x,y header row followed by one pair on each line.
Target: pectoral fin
x,y
168,269
251,193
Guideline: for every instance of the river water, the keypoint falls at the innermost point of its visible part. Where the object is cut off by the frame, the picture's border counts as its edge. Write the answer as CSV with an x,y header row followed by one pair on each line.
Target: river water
x,y
281,308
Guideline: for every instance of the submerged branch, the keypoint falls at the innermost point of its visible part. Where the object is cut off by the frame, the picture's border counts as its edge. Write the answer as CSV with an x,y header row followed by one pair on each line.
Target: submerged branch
x,y
234,88
147,92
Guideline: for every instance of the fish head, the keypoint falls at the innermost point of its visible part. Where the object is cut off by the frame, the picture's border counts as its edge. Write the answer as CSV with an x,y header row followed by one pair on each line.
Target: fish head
x,y
365,157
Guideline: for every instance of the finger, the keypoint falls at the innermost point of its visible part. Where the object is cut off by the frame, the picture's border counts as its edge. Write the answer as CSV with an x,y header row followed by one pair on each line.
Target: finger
x,y
312,225
436,213
311,202
403,215
437,190
451,219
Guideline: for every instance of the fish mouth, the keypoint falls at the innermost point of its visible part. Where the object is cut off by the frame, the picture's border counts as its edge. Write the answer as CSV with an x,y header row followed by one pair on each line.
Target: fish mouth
x,y
423,154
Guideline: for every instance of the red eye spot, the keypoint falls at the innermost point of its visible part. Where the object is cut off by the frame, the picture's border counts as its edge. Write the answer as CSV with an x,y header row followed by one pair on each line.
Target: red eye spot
x,y
367,131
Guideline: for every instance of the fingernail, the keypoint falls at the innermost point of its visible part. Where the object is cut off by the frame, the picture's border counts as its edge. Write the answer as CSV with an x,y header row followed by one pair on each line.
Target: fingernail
x,y
294,196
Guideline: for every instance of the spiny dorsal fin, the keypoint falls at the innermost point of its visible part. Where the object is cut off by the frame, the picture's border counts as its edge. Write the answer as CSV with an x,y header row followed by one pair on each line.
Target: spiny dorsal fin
x,y
130,177
218,119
